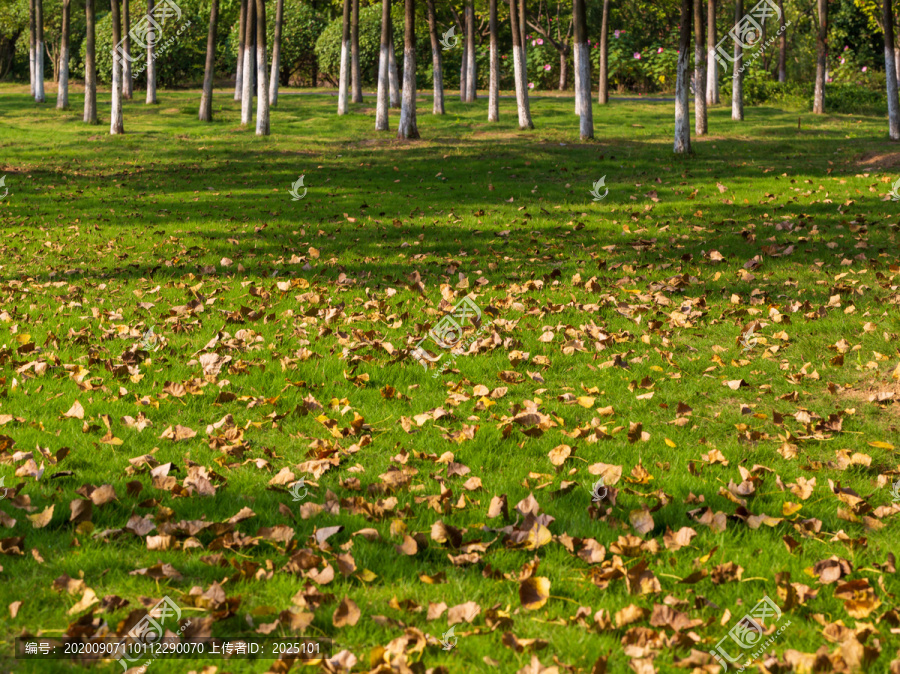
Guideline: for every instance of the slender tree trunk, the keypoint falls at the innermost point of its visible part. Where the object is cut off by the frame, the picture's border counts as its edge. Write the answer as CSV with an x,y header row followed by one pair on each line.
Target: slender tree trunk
x,y
603,96
62,95
116,124
32,41
344,80
471,77
127,80
394,76
206,98
90,65
737,82
382,96
355,73
582,71
463,71
249,65
890,70
523,34
242,33
408,128
682,83
700,121
563,70
521,75
897,62
150,71
262,85
436,63
712,63
821,47
276,54
494,85
39,51
782,45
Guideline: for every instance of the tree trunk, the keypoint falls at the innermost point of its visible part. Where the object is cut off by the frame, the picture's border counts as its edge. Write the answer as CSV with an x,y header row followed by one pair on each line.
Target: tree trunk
x,y
700,121
62,95
712,63
436,64
247,86
521,75
563,70
206,98
494,85
262,85
737,81
39,51
32,41
344,80
407,128
603,96
90,65
127,81
782,46
582,71
355,73
382,97
523,33
821,40
463,71
890,70
150,71
394,76
276,54
239,73
471,78
682,86
897,62
116,124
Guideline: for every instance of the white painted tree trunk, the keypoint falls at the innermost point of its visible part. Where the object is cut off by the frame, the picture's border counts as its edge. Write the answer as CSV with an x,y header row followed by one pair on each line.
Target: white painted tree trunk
x,y
150,71
712,65
700,119
408,128
115,121
127,81
39,73
897,61
242,37
521,88
583,90
262,85
382,97
682,83
471,76
393,75
890,70
62,92
90,64
247,86
737,79
494,85
344,80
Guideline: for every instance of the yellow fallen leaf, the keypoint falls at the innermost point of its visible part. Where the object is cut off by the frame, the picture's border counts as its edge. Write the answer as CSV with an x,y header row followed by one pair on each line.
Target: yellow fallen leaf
x,y
881,445
670,443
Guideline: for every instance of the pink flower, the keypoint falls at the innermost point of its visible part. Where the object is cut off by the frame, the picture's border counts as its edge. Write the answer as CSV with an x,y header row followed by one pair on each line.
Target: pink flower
x,y
660,50
540,40
637,55
531,85
547,66
533,43
842,59
846,48
865,68
616,34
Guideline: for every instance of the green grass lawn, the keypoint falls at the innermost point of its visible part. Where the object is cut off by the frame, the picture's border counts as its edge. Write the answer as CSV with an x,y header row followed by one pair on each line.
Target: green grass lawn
x,y
610,346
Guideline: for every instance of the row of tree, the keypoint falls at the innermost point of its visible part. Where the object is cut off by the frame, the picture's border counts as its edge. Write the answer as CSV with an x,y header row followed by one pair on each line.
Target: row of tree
x,y
253,58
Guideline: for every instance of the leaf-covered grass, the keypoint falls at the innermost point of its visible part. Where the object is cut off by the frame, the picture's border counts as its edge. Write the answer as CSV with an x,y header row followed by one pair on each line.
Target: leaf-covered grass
x,y
611,327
